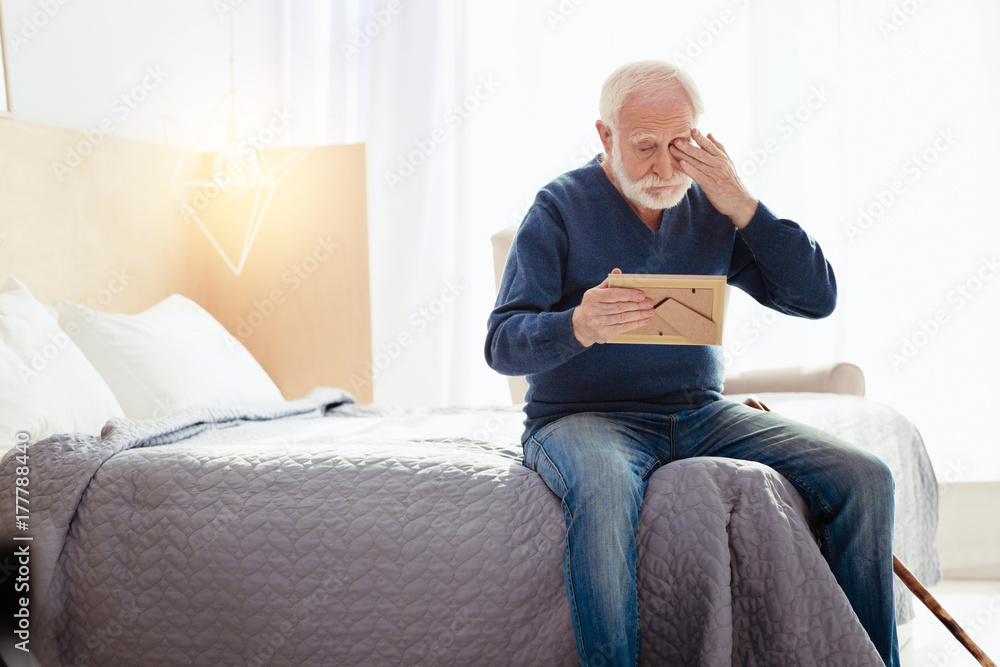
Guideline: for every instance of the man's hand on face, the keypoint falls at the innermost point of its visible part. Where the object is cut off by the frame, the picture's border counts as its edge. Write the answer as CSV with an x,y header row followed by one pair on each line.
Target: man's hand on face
x,y
709,165
606,312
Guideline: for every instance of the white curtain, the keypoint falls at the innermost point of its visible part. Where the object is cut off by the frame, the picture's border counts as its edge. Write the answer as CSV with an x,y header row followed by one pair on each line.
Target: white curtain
x,y
873,124
393,75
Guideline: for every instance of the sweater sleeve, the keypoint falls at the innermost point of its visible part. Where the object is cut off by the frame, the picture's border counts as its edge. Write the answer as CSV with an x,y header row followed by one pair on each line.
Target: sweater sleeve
x,y
782,267
529,330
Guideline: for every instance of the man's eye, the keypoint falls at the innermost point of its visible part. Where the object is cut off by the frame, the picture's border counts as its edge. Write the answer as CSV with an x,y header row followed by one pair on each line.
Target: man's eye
x,y
645,149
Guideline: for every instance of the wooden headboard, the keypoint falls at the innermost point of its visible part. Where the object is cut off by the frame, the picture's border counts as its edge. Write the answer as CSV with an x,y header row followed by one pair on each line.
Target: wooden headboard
x,y
119,226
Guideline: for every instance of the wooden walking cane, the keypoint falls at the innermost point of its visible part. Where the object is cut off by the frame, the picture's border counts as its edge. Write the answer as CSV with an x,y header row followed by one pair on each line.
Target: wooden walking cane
x,y
925,596
918,589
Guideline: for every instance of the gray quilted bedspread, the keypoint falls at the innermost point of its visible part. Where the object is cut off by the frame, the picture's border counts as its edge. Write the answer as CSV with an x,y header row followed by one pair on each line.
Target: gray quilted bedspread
x,y
324,533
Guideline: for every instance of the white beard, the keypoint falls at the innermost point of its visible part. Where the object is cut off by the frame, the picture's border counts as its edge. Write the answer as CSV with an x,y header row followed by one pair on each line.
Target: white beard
x,y
639,192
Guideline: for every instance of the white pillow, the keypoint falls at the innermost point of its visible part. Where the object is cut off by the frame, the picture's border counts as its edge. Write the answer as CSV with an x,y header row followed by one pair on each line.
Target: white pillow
x,y
167,358
47,386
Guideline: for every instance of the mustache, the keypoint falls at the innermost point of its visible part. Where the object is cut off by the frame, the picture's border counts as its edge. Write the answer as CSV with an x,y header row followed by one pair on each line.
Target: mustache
x,y
653,181
679,179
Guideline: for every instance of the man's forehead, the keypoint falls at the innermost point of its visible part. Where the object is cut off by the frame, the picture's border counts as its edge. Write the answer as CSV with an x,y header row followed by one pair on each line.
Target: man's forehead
x,y
672,115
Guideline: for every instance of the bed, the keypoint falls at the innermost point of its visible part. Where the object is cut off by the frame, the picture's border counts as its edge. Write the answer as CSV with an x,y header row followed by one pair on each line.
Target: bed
x,y
323,532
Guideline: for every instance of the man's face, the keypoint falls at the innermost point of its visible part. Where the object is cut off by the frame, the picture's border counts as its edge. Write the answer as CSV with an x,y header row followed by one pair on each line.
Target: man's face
x,y
641,162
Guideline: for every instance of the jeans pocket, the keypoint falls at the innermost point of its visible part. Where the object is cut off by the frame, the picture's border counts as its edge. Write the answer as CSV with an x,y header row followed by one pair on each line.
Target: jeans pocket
x,y
532,447
540,462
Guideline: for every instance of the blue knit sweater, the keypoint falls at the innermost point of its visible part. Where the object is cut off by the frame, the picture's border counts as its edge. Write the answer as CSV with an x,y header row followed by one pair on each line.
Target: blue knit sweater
x,y
579,229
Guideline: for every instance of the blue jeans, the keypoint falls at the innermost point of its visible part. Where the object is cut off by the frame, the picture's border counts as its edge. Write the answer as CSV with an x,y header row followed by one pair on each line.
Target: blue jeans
x,y
599,463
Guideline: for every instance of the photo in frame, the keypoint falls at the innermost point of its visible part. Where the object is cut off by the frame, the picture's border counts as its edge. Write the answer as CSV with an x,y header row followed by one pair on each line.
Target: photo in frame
x,y
688,310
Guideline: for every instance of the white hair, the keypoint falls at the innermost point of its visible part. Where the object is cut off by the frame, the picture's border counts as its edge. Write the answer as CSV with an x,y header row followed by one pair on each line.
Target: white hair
x,y
646,77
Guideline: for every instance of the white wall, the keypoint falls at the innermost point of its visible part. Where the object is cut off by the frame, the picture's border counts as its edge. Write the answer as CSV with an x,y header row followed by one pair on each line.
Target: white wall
x,y
74,64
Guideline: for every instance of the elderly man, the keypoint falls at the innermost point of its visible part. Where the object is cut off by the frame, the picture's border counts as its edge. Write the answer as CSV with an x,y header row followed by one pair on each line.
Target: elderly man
x,y
602,418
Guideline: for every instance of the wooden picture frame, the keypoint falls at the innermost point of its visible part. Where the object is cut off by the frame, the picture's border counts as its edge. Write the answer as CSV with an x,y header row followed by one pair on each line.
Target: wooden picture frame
x,y
690,310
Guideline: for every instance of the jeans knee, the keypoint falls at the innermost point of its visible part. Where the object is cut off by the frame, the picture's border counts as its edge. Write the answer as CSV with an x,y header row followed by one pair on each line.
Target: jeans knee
x,y
616,490
874,483
881,476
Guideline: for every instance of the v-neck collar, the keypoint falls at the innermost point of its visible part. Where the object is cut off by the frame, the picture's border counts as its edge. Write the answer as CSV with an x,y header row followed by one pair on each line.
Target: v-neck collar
x,y
623,203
